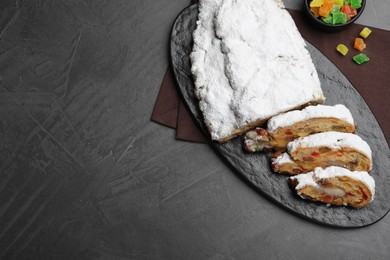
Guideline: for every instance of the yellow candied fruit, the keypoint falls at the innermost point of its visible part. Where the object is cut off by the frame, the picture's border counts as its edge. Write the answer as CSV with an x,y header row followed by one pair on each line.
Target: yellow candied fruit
x,y
365,32
316,3
339,2
342,49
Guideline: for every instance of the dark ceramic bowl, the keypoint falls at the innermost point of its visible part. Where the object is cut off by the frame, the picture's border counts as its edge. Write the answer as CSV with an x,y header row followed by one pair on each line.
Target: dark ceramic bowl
x,y
331,27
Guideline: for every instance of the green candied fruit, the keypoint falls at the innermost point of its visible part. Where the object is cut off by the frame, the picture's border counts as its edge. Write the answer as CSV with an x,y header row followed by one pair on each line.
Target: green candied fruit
x,y
347,1
328,19
335,9
356,3
339,18
360,58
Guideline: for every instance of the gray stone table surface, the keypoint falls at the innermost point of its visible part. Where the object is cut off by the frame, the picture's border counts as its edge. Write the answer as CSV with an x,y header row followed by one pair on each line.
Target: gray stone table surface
x,y
84,172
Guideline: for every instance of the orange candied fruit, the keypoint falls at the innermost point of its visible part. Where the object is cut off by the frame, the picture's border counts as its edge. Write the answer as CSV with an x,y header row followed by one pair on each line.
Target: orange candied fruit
x,y
359,44
326,8
315,11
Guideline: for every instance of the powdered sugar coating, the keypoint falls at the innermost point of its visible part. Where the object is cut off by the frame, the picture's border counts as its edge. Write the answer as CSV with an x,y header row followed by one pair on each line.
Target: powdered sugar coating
x,y
249,63
283,158
334,140
305,179
320,111
311,178
207,59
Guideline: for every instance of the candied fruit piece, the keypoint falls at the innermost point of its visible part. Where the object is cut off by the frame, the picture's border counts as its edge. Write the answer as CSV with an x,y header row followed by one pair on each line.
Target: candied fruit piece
x,y
365,32
342,49
353,12
336,9
326,8
360,58
359,44
316,3
315,11
339,2
347,10
356,3
328,19
339,18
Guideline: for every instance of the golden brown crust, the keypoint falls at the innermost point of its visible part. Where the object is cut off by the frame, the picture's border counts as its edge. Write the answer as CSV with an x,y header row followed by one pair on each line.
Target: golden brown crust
x,y
307,159
250,126
239,131
278,139
283,135
323,156
291,168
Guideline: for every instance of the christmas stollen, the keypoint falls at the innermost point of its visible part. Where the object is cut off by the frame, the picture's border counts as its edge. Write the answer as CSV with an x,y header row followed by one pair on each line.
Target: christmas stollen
x,y
322,150
335,185
249,63
286,127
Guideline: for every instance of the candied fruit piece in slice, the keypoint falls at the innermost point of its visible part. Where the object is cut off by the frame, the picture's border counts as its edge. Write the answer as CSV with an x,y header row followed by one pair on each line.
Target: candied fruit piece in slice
x,y
316,3
326,8
365,32
342,49
356,3
339,18
360,58
339,2
359,44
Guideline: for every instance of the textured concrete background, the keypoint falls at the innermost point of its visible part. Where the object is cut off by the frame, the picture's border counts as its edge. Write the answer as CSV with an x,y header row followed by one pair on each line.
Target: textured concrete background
x,y
86,175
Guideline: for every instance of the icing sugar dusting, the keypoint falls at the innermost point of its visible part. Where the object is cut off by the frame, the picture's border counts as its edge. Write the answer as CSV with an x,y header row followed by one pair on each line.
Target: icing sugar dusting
x,y
283,158
249,63
334,140
311,178
319,111
207,59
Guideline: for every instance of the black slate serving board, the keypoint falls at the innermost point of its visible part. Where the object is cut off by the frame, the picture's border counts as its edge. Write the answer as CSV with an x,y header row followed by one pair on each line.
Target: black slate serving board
x,y
256,167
